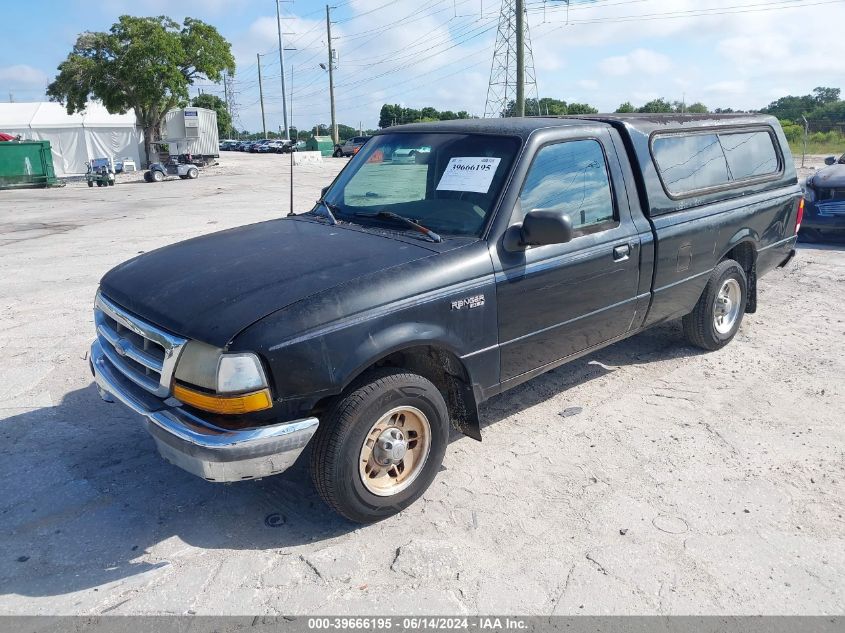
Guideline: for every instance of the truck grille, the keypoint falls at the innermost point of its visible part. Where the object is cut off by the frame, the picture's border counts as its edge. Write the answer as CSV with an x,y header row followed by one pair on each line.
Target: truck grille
x,y
142,352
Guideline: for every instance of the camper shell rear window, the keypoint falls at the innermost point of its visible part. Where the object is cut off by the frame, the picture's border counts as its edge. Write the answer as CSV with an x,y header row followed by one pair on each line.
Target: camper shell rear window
x,y
704,161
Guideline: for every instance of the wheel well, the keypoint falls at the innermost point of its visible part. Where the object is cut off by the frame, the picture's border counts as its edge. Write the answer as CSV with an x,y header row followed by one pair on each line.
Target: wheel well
x,y
445,371
745,255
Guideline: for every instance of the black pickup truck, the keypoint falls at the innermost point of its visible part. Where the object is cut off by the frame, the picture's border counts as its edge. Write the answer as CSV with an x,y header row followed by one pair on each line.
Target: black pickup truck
x,y
446,263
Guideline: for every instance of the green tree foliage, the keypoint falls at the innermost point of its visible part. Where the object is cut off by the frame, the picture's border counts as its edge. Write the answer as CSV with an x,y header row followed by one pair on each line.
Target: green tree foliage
x,y
823,103
143,63
550,107
213,102
662,106
397,115
657,106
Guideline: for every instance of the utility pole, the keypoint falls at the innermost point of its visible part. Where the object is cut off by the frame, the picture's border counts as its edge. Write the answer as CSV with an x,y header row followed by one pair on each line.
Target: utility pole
x,y
512,75
520,57
261,95
331,73
226,97
806,134
282,67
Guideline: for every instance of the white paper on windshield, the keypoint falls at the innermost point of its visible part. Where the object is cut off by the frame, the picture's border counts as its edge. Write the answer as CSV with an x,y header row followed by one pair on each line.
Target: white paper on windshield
x,y
469,173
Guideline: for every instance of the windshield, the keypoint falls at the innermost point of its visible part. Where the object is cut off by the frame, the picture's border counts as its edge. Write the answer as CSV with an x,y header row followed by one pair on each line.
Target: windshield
x,y
446,182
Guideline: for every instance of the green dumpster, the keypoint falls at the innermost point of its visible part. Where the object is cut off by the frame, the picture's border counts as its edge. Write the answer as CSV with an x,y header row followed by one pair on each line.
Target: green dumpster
x,y
26,164
322,144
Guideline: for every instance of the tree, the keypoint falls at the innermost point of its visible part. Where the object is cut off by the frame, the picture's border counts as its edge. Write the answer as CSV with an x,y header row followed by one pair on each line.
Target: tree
x,y
697,108
145,64
626,108
656,105
824,96
580,108
213,102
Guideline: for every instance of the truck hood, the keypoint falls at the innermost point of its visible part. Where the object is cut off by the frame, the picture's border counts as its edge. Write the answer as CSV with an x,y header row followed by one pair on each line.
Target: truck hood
x,y
830,177
210,288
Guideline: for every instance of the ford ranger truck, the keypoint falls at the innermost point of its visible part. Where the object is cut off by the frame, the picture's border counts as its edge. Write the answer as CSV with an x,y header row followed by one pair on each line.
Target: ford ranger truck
x,y
446,263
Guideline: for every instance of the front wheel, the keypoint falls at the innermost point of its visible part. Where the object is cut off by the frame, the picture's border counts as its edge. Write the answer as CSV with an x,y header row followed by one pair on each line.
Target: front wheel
x,y
717,316
338,154
193,173
380,446
157,176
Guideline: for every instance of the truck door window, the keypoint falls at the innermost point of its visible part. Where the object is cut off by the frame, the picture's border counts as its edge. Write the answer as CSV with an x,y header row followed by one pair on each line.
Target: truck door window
x,y
571,176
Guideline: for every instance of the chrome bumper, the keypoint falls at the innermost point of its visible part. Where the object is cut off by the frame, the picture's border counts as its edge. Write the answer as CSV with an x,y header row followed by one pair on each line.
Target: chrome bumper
x,y
201,448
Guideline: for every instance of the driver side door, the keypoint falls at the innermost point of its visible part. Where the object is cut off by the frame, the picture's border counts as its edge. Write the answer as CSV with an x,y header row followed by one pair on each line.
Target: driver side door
x,y
559,299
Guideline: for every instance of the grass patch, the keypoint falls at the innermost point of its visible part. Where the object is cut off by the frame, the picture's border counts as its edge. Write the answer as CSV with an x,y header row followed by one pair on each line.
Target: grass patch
x,y
826,148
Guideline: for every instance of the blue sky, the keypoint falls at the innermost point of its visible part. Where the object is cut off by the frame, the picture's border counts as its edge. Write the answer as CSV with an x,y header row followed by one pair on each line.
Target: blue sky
x,y
739,53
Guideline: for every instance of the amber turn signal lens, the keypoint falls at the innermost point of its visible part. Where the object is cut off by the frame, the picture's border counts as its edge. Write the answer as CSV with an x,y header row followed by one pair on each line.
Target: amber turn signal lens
x,y
227,405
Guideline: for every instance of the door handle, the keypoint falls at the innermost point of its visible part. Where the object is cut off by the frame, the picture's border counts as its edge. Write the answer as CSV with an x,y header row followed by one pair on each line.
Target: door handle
x,y
620,253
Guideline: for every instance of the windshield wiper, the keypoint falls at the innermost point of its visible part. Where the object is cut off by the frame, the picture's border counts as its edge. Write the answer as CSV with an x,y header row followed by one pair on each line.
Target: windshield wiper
x,y
434,237
328,207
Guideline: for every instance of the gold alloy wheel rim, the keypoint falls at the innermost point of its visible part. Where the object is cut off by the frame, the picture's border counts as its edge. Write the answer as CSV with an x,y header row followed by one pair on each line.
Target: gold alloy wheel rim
x,y
395,451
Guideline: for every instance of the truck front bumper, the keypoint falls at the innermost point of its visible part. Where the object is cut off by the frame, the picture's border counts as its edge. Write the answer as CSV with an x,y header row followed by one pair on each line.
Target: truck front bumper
x,y
198,446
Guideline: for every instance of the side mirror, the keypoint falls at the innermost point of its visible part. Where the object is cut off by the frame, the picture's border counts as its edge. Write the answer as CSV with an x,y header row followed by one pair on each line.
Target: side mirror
x,y
323,192
539,228
830,160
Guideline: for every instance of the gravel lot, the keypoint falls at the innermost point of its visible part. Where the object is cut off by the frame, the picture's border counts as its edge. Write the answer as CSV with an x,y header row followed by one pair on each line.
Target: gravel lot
x,y
648,478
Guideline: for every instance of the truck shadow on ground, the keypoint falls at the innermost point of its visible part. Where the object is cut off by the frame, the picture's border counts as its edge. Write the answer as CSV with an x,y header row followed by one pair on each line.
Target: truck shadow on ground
x,y
824,242
96,504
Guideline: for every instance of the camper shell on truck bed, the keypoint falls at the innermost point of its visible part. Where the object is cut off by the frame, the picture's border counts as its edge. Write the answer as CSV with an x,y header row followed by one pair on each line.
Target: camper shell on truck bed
x,y
416,289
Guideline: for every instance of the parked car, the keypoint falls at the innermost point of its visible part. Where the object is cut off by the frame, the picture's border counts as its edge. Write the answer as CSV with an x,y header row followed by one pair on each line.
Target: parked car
x,y
244,146
519,245
228,146
270,147
350,147
254,147
825,194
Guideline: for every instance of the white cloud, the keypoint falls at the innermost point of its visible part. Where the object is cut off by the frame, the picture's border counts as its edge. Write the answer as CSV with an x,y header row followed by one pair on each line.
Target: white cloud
x,y
588,84
640,60
727,88
23,76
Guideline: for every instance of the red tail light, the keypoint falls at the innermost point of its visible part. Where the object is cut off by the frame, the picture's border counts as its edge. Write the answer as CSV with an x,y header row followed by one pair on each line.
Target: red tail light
x,y
800,215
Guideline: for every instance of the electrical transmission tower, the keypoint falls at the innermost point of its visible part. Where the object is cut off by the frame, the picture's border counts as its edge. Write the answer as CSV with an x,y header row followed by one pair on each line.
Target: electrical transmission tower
x,y
513,60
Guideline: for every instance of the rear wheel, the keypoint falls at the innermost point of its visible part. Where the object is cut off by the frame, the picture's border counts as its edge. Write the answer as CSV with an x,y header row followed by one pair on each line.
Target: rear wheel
x,y
193,173
717,316
380,446
157,176
90,183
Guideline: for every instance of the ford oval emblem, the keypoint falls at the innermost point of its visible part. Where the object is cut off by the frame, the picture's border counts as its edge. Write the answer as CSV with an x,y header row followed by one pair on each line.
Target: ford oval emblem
x,y
119,348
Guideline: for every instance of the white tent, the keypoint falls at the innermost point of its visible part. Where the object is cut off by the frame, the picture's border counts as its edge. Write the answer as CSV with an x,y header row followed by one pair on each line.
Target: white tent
x,y
78,138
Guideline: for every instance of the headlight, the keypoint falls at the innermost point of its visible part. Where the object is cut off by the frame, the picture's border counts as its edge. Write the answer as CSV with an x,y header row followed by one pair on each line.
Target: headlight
x,y
236,382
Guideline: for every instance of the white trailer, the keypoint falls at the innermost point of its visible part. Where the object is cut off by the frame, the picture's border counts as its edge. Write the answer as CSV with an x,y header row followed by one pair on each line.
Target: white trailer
x,y
195,128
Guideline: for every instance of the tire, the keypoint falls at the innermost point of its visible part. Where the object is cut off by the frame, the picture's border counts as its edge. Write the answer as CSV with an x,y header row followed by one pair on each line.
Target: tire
x,y
716,318
90,183
193,173
99,184
338,154
111,183
386,406
157,176
148,176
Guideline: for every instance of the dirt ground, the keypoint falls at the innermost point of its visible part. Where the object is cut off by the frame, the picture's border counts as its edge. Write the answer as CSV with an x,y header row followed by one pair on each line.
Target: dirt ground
x,y
648,478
